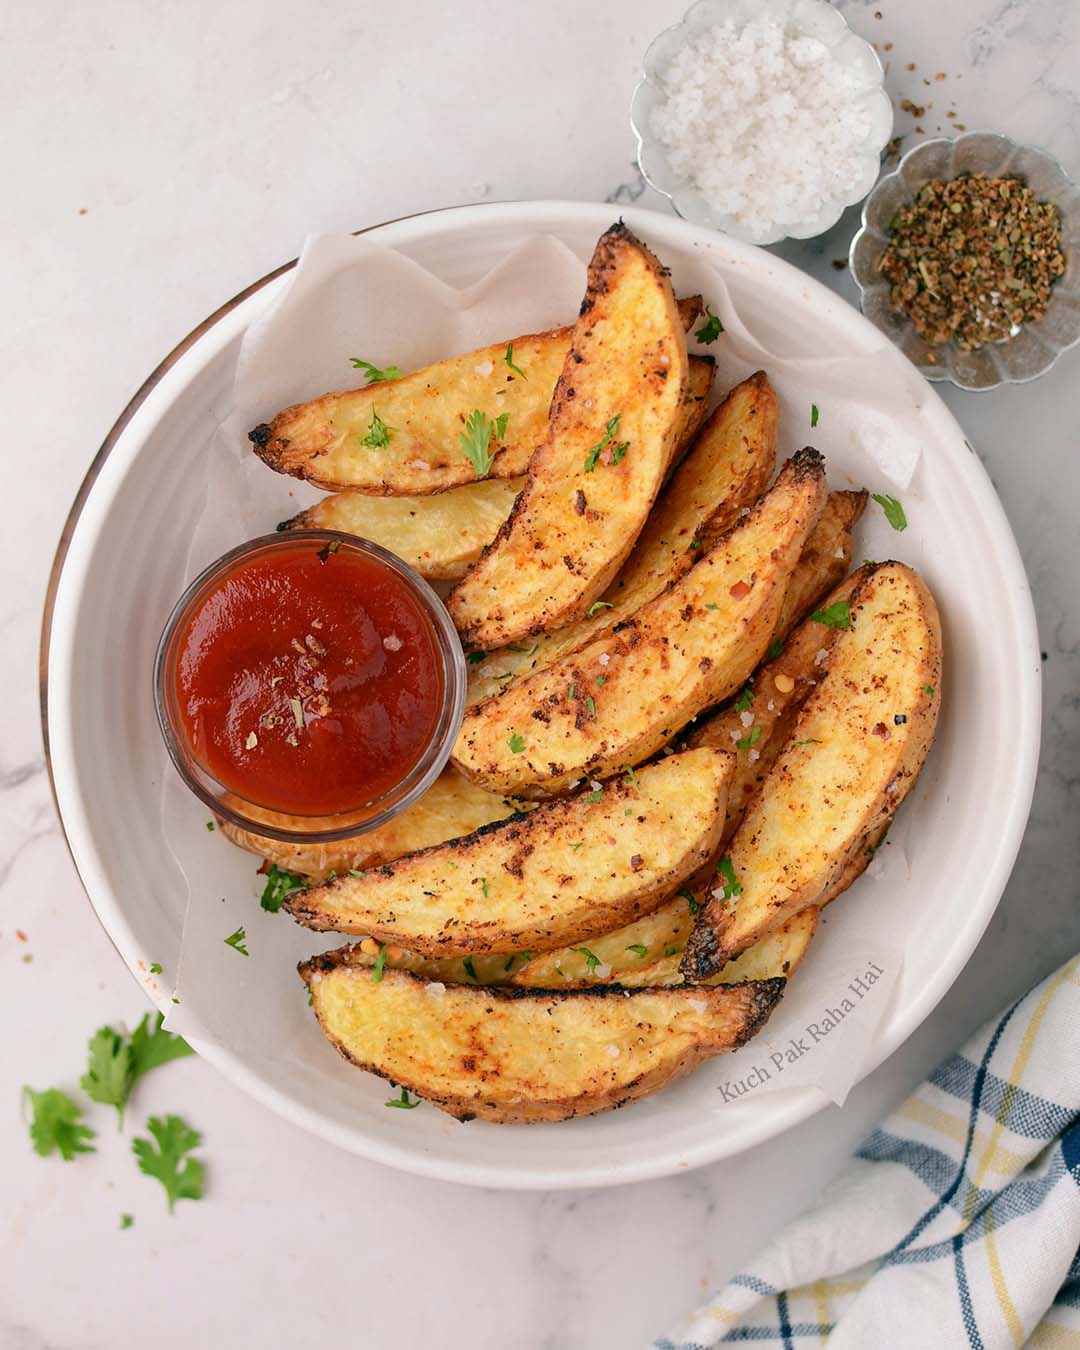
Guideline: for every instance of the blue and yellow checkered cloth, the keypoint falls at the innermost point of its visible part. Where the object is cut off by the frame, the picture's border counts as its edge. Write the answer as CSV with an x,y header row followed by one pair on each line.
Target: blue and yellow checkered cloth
x,y
956,1225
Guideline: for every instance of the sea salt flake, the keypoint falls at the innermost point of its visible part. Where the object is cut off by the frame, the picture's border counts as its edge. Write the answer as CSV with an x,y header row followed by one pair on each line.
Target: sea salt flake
x,y
484,368
392,642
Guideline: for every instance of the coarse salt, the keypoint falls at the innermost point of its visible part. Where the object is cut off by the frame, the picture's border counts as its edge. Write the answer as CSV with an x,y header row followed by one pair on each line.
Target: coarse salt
x,y
484,368
764,122
392,642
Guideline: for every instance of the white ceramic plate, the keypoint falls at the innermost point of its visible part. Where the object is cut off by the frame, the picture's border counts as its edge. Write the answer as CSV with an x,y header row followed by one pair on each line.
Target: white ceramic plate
x,y
120,568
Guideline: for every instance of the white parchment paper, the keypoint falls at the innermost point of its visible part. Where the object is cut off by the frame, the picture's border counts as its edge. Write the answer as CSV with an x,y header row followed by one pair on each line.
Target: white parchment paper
x,y
354,297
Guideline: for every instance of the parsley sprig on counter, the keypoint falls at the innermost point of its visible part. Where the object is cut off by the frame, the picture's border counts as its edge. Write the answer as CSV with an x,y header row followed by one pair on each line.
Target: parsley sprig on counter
x,y
168,1162
115,1061
56,1124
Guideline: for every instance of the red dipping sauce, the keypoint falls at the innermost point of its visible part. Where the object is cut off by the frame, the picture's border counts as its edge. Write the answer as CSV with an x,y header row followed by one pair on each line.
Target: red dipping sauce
x,y
308,678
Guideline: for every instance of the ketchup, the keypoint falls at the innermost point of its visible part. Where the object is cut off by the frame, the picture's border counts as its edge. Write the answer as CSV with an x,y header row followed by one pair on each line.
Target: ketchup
x,y
309,681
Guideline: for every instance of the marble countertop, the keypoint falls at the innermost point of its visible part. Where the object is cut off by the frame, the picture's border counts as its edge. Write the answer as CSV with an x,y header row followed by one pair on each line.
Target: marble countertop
x,y
158,160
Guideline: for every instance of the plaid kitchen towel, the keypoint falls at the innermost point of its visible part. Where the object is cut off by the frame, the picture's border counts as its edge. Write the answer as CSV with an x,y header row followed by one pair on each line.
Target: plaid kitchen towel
x,y
956,1225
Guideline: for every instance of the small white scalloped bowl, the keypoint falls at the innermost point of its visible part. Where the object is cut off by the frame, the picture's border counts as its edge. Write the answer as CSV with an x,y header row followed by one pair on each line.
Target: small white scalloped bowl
x,y
810,18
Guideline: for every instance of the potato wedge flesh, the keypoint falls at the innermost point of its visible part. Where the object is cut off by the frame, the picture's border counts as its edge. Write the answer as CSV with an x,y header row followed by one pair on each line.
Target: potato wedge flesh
x,y
613,431
726,470
564,872
619,699
515,1055
859,743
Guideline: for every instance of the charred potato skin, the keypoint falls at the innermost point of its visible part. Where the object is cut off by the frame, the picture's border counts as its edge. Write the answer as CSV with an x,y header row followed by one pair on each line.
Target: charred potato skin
x,y
480,1067
722,931
429,902
572,526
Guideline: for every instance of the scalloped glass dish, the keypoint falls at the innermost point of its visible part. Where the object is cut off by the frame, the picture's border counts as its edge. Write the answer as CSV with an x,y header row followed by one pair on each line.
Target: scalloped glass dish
x,y
811,18
1036,346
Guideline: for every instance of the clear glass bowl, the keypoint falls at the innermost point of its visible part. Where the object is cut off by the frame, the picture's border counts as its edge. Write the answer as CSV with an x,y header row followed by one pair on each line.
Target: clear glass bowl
x,y
812,18
363,816
1038,345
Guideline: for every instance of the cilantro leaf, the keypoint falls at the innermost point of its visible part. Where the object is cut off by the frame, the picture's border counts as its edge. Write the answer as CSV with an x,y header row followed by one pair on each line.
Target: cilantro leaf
x,y
403,1101
55,1124
127,1220
751,739
474,658
775,648
236,941
590,703
593,455
181,1176
726,869
378,433
836,615
597,606
928,690
812,740
638,949
374,374
894,512
711,329
673,950
630,777
380,962
692,904
152,1046
597,796
516,743
500,425
814,414
155,967
470,969
746,697
591,959
476,440
509,359
279,883
110,1069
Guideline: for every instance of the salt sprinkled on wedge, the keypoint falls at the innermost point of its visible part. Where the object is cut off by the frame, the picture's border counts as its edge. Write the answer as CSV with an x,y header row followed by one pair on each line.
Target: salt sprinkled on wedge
x,y
765,123
392,642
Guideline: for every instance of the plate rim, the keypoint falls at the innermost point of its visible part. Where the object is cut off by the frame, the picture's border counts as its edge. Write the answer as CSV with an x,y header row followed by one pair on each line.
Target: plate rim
x,y
787,1109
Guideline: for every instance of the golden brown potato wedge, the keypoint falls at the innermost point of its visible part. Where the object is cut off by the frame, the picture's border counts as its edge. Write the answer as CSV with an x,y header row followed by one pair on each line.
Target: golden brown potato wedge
x,y
519,1055
323,440
858,745
726,470
562,873
825,558
613,431
440,535
452,806
619,699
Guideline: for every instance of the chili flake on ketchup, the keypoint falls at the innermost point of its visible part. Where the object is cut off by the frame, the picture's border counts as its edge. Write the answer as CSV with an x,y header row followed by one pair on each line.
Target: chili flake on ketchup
x,y
309,678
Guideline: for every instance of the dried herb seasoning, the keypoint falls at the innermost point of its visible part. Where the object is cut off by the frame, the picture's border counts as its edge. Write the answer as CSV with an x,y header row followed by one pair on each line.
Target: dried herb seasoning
x,y
972,259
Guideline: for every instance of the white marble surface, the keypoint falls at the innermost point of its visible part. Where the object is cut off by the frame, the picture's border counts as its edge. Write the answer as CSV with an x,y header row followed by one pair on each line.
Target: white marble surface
x,y
157,159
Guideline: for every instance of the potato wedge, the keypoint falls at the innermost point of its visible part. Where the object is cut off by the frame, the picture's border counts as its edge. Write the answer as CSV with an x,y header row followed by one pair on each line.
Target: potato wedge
x,y
452,806
825,558
519,1055
562,873
726,470
321,441
618,699
615,421
440,536
758,724
858,745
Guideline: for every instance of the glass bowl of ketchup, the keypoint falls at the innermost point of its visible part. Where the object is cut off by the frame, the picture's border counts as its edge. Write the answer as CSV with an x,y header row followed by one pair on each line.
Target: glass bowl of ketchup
x,y
309,686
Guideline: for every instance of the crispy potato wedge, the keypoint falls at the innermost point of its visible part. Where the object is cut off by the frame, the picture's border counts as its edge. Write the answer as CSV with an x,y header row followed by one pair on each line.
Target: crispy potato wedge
x,y
321,440
519,1055
858,745
619,699
726,470
758,724
452,806
615,421
825,558
558,875
440,536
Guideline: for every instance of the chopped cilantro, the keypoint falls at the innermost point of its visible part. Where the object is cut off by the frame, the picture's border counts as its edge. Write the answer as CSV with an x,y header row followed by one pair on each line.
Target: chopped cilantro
x,y
378,433
672,951
746,697
509,359
470,969
638,949
591,960
894,512
55,1124
476,440
474,658
597,796
484,887
516,743
596,607
726,869
155,967
692,904
571,691
374,374
500,424
581,842
593,455
752,739
236,941
279,883
814,415
355,872
591,705
811,741
710,605
210,826
403,1102
630,776
928,690
711,329
181,1176
380,962
836,615
126,1221
775,648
